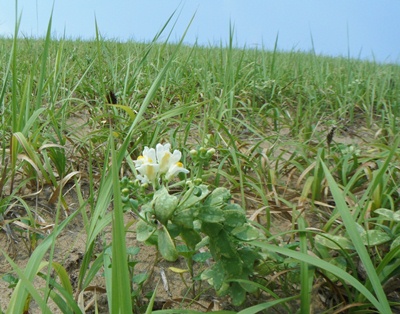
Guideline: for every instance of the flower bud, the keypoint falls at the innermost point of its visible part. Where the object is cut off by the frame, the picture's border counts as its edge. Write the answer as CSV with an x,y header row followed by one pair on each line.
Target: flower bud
x,y
198,181
193,153
124,181
211,152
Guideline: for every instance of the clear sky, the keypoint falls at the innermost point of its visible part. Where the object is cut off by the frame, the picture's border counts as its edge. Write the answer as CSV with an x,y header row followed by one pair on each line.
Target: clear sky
x,y
367,29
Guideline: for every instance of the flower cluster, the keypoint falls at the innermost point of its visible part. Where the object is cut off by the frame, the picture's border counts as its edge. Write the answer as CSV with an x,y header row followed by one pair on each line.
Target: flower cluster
x,y
154,163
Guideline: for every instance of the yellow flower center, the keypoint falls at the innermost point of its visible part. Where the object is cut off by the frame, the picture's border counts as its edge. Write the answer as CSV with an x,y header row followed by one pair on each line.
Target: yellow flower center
x,y
142,157
151,172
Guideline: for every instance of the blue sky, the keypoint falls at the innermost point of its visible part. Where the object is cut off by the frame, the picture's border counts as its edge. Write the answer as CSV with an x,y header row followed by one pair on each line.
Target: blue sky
x,y
369,29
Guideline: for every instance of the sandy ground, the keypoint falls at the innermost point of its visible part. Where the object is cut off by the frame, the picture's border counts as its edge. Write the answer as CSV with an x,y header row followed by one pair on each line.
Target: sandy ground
x,y
69,250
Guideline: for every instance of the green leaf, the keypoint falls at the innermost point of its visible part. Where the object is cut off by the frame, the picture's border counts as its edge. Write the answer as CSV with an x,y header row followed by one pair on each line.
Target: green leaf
x,y
10,279
222,245
388,214
133,250
235,207
174,230
183,218
340,262
395,243
184,251
153,240
204,242
144,230
248,255
164,205
219,197
211,214
237,293
128,110
234,218
191,237
201,257
375,237
211,229
214,275
245,232
140,278
63,276
189,198
166,246
334,242
233,266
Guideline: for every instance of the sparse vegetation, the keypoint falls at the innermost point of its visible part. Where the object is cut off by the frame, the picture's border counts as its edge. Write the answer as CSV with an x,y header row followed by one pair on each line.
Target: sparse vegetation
x,y
308,147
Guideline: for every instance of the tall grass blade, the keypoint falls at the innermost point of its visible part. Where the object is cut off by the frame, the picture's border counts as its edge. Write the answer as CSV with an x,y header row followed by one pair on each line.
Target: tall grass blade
x,y
19,303
338,272
150,306
121,292
263,306
14,93
42,78
378,179
355,237
20,292
306,275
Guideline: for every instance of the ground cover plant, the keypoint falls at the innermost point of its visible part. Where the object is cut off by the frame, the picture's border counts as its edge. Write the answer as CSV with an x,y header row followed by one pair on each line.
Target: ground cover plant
x,y
139,177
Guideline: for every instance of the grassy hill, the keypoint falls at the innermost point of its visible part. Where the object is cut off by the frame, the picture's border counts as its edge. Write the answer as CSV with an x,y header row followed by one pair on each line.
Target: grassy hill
x,y
306,145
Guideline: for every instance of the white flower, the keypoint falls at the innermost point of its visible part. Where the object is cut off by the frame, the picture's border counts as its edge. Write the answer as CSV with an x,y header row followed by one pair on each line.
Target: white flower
x,y
165,159
175,169
147,166
155,162
163,156
148,173
148,156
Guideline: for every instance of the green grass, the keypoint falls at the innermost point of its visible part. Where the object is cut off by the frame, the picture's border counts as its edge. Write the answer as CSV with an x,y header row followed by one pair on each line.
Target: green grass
x,y
266,113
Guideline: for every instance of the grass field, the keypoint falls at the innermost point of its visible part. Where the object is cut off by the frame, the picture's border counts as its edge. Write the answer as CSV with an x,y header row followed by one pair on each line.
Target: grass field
x,y
303,148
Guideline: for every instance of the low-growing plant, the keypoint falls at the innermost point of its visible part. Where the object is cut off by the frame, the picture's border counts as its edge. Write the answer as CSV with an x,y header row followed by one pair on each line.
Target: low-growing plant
x,y
192,213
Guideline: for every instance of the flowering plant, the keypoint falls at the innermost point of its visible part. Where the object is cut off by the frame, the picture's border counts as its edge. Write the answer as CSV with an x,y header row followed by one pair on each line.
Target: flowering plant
x,y
192,215
159,163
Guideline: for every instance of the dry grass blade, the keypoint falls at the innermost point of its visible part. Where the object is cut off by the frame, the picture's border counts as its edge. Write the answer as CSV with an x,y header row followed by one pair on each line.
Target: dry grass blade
x,y
57,192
